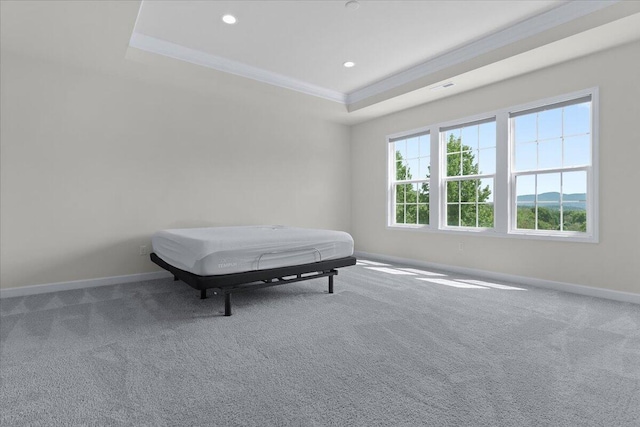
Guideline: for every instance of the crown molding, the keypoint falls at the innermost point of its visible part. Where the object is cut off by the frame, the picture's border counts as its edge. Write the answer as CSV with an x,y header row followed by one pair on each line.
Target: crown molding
x,y
172,50
537,24
562,14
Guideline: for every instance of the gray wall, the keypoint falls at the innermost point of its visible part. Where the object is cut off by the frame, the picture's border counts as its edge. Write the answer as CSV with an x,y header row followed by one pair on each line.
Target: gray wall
x,y
614,263
93,163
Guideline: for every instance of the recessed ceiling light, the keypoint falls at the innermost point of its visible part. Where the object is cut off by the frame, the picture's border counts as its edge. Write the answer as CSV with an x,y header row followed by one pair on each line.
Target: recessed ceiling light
x,y
229,19
352,4
349,64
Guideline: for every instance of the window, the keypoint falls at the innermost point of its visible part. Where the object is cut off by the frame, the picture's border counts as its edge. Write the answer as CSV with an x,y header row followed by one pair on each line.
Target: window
x,y
470,173
528,171
552,166
410,178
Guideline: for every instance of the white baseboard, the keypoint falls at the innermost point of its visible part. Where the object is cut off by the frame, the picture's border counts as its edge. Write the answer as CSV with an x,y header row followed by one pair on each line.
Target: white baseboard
x,y
539,283
21,291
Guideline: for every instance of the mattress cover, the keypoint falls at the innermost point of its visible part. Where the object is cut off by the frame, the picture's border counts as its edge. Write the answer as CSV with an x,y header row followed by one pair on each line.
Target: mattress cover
x,y
225,250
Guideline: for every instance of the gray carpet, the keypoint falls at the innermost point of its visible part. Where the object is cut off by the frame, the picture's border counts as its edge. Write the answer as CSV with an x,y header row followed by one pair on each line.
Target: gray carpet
x,y
383,350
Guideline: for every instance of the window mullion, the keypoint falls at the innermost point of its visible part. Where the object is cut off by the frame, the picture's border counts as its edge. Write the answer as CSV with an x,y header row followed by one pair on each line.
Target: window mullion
x,y
467,177
392,188
435,210
551,170
502,183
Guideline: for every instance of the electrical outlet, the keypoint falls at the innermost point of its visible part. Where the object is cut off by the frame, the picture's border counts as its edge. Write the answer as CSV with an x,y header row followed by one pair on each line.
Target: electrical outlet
x,y
143,250
461,246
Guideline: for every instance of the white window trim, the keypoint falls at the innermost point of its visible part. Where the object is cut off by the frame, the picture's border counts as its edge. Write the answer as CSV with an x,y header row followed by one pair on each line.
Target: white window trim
x,y
504,185
391,214
442,144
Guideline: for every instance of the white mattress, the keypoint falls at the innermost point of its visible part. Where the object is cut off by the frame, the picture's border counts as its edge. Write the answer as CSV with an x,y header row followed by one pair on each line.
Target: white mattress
x,y
226,250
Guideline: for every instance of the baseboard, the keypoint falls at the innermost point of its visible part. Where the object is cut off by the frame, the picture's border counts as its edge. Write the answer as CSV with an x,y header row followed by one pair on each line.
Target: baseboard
x,y
21,291
538,283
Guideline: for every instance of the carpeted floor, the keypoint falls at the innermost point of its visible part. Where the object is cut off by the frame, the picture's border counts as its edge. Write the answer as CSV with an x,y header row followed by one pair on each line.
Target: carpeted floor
x,y
386,349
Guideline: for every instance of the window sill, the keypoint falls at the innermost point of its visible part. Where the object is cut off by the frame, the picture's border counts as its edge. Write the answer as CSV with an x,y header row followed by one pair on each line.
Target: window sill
x,y
490,232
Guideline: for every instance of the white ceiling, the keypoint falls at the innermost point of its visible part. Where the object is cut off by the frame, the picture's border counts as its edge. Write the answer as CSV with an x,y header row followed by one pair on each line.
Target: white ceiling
x,y
97,35
302,45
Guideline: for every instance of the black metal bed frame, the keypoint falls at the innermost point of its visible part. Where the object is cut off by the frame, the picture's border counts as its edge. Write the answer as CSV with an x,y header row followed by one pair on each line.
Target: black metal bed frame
x,y
225,284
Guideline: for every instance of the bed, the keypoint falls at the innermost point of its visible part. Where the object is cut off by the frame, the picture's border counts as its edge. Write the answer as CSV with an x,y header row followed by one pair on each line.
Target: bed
x,y
234,259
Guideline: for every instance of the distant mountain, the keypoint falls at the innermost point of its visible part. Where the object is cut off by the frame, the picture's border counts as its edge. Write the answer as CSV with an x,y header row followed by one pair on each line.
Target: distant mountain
x,y
578,200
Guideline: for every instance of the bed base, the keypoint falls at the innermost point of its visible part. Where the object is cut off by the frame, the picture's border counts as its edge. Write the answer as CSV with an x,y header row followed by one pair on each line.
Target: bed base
x,y
226,284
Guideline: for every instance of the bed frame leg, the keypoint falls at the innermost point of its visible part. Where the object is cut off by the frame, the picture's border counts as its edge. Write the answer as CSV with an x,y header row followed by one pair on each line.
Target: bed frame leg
x,y
330,284
227,304
203,293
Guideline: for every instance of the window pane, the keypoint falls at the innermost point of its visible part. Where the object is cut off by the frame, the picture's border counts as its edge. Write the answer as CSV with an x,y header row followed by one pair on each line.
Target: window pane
x,y
525,128
399,214
411,193
424,167
487,135
562,134
550,154
453,191
526,216
423,214
399,193
526,189
548,187
574,201
548,218
526,156
454,164
464,154
452,139
485,191
413,169
401,171
425,145
469,190
453,215
574,218
412,148
548,199
470,163
526,202
485,215
401,149
470,137
487,161
423,193
550,124
468,215
577,119
577,151
574,184
412,214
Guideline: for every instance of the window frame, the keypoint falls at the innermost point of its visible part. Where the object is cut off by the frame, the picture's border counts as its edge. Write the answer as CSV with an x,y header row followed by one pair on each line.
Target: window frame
x,y
443,223
504,191
592,203
392,182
